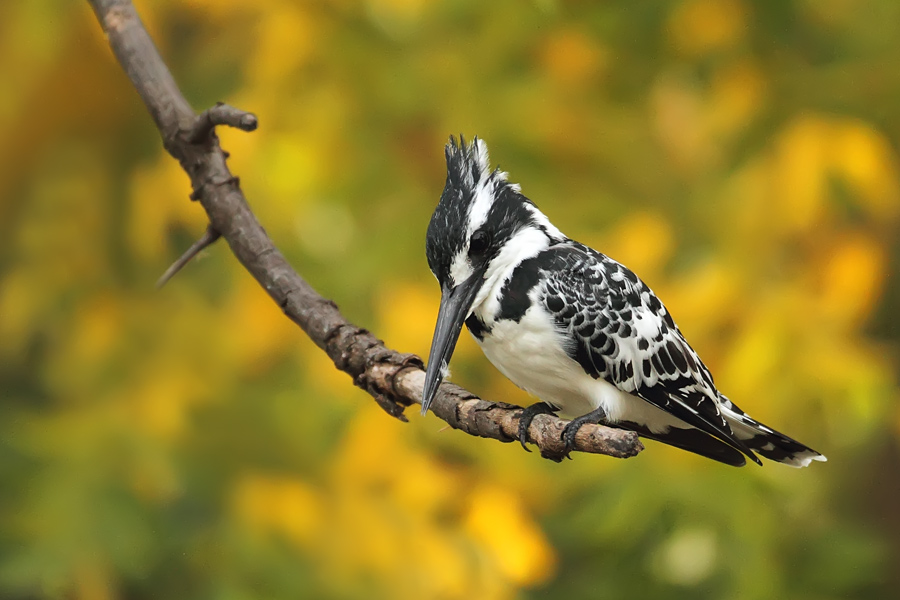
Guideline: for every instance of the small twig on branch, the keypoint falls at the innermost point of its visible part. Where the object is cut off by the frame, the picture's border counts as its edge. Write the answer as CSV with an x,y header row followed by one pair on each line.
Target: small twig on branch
x,y
207,239
395,380
221,114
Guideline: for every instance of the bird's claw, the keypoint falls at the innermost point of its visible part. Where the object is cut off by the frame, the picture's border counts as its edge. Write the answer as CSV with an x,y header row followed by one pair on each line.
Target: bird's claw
x,y
528,415
571,429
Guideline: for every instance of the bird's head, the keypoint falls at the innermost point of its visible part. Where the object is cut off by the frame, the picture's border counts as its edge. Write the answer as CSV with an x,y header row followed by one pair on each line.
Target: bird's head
x,y
481,226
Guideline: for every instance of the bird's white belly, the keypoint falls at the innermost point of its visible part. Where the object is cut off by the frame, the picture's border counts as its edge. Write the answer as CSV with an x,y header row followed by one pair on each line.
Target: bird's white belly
x,y
538,367
531,354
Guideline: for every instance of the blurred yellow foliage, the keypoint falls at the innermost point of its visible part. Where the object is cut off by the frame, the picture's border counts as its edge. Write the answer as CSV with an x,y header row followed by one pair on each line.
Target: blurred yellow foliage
x,y
702,26
281,505
573,58
642,240
498,520
286,25
813,150
737,94
851,280
155,209
407,312
694,124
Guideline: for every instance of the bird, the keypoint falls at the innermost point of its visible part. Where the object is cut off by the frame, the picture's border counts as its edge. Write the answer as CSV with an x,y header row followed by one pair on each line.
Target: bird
x,y
571,326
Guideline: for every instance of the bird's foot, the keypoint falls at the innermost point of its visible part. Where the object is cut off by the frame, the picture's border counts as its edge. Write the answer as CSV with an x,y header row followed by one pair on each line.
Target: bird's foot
x,y
528,415
571,429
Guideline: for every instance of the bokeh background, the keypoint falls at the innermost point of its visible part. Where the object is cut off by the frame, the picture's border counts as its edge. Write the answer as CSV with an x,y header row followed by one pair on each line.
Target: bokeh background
x,y
192,443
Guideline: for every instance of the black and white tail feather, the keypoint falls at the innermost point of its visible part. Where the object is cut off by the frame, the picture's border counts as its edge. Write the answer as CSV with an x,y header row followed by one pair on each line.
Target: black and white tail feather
x,y
572,326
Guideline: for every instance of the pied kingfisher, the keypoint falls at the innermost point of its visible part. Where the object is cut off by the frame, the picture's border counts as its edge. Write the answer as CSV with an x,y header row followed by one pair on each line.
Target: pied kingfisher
x,y
571,326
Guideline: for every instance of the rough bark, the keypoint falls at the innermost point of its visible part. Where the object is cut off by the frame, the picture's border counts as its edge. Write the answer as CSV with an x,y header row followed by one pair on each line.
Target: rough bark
x,y
395,380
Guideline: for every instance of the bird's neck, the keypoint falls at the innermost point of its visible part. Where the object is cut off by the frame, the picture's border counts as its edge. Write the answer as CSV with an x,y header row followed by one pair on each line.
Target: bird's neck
x,y
524,244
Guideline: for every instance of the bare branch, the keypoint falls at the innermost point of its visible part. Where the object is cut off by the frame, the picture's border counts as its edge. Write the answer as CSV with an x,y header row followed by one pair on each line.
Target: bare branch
x,y
395,380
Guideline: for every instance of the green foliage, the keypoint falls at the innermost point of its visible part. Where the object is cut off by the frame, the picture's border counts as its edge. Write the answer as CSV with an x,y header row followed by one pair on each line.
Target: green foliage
x,y
741,156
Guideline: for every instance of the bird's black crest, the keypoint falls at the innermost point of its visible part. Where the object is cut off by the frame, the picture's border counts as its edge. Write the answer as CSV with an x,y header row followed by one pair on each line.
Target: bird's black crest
x,y
466,163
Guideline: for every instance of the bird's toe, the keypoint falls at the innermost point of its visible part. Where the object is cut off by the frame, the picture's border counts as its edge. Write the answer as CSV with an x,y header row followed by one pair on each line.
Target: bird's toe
x,y
527,416
572,427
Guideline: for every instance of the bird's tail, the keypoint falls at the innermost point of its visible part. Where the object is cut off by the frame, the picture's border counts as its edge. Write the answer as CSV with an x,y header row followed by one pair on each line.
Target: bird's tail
x,y
766,441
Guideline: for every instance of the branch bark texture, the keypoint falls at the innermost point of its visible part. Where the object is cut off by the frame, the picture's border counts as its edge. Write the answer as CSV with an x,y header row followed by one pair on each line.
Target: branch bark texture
x,y
395,380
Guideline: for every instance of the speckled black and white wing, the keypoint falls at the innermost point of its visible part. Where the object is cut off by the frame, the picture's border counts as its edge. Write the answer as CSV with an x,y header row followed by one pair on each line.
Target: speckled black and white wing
x,y
618,330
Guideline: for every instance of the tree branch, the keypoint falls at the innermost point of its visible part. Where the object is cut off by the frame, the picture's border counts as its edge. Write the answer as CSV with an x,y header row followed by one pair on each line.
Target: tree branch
x,y
395,380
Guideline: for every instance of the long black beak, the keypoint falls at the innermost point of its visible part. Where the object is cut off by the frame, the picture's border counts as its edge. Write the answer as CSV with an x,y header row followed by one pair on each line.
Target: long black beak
x,y
455,305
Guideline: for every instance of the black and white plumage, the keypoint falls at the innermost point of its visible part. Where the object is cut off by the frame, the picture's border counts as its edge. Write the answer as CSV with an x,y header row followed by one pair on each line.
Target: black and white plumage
x,y
572,326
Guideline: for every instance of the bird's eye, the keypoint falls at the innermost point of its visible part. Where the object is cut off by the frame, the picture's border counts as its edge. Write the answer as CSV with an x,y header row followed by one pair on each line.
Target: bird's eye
x,y
479,243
